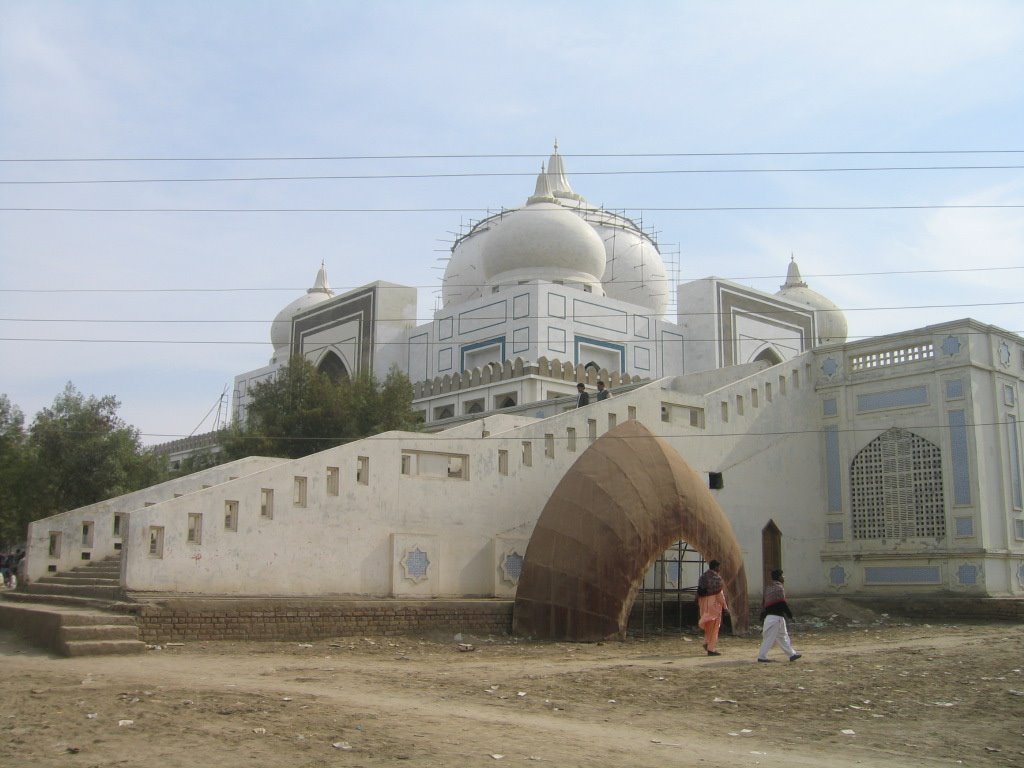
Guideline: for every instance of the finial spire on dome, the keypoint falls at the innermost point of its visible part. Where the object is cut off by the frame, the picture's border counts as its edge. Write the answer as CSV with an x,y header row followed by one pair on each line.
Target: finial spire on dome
x,y
793,279
543,189
321,285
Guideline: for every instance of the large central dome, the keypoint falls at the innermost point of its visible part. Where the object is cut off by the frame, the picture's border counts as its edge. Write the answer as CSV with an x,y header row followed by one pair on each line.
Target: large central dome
x,y
543,241
633,270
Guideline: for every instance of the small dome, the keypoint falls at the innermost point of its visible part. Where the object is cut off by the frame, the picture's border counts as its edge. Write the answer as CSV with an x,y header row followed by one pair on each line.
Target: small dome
x,y
543,241
281,328
829,319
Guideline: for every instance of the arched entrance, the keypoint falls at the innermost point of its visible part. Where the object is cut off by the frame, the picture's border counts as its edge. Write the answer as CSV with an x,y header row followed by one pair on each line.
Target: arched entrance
x,y
333,366
771,551
627,499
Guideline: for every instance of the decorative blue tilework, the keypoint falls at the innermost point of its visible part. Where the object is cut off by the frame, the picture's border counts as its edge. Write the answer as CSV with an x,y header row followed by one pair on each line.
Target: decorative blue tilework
x,y
902,574
829,407
512,567
1009,395
837,576
1013,450
967,575
830,366
965,526
416,564
961,461
954,389
951,345
893,398
833,469
835,531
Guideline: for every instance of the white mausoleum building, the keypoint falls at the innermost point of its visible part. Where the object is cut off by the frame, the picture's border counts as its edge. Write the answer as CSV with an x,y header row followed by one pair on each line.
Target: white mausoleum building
x,y
885,466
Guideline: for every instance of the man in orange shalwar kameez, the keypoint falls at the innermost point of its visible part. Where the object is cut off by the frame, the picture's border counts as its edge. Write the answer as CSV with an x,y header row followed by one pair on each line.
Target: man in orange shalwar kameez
x,y
711,602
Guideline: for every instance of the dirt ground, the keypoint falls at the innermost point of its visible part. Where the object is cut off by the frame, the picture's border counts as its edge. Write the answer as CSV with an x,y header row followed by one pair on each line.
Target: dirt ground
x,y
870,690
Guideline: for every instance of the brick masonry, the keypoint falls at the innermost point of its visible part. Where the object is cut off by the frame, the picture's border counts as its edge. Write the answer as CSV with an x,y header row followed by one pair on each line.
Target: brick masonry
x,y
169,620
276,619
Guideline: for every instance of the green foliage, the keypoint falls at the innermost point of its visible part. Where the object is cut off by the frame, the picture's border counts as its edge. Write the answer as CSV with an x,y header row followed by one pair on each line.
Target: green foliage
x,y
76,452
301,411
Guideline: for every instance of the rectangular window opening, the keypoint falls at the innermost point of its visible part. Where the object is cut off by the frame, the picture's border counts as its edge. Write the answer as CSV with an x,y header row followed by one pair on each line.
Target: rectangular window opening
x,y
267,503
502,462
299,491
195,528
591,430
363,470
570,438
117,525
527,453
230,515
87,530
54,550
333,481
549,446
156,541
631,413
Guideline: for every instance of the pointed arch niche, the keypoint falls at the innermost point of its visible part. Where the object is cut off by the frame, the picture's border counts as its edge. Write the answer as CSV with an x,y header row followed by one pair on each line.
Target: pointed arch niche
x,y
627,499
333,366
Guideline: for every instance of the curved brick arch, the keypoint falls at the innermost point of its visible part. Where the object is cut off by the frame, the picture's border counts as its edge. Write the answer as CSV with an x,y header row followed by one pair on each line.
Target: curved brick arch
x,y
622,504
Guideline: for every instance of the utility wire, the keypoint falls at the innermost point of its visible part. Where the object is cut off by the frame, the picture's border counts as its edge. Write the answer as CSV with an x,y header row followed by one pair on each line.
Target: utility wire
x,y
436,286
490,156
512,174
486,211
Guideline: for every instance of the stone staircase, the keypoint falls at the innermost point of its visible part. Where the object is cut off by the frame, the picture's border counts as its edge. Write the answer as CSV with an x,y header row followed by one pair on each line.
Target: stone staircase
x,y
77,613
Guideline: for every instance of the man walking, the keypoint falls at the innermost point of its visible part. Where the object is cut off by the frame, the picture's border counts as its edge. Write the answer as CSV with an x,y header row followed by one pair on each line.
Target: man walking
x,y
582,398
773,616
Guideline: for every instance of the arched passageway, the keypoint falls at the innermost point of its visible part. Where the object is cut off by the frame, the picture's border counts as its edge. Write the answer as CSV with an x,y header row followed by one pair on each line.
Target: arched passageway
x,y
627,499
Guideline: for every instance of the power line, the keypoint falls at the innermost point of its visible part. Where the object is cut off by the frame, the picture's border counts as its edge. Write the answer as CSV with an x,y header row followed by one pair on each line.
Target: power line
x,y
519,437
435,286
490,156
478,210
512,174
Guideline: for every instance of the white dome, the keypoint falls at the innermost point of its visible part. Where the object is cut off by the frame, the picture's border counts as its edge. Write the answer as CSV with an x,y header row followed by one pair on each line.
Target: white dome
x,y
545,241
281,328
633,269
829,319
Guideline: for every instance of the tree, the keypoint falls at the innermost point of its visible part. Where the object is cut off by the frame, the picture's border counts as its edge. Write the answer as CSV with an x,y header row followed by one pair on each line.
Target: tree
x,y
15,470
87,453
302,411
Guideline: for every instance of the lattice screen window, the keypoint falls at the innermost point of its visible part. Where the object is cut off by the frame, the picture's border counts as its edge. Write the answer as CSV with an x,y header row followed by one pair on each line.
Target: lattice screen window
x,y
896,488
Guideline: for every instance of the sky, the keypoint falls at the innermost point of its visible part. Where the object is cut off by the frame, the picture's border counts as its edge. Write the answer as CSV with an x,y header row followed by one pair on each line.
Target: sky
x,y
148,235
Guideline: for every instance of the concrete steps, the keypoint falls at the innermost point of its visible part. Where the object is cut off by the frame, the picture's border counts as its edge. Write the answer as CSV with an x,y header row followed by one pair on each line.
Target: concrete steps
x,y
77,613
72,631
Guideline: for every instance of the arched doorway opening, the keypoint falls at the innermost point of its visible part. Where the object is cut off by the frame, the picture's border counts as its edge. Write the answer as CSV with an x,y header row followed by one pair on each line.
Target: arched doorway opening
x,y
771,551
768,355
625,501
334,367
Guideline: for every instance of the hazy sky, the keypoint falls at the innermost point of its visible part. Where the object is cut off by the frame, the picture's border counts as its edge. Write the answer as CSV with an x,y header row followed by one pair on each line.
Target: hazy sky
x,y
117,92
